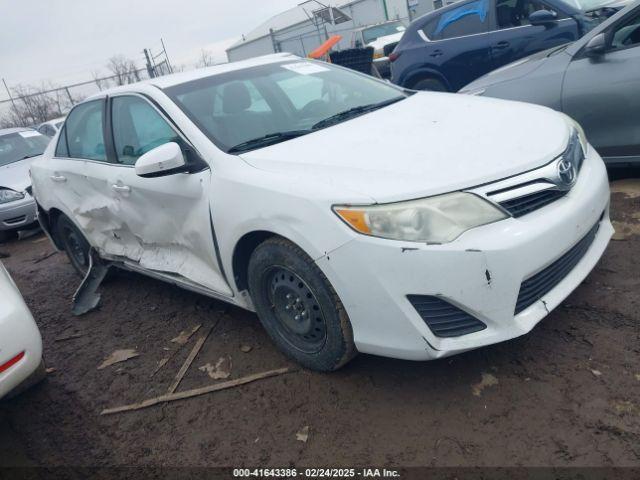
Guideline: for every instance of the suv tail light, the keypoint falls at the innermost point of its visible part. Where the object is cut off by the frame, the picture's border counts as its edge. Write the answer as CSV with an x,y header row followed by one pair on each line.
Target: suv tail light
x,y
393,56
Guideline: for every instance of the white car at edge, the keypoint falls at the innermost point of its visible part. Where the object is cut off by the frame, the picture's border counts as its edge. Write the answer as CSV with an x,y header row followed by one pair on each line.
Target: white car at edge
x,y
20,342
351,215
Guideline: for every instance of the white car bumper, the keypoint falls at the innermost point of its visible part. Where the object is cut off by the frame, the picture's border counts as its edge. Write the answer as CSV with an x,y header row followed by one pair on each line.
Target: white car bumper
x,y
15,215
20,340
480,273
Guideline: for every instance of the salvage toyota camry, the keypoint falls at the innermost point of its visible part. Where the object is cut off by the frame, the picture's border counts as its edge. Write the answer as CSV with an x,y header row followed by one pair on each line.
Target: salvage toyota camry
x,y
350,214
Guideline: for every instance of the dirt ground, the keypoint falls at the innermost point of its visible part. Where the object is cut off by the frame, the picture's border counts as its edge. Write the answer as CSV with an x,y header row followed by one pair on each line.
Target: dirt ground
x,y
567,394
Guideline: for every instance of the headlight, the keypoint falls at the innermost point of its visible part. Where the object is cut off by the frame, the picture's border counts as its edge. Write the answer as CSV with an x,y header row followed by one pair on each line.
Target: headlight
x,y
581,135
439,219
378,55
7,196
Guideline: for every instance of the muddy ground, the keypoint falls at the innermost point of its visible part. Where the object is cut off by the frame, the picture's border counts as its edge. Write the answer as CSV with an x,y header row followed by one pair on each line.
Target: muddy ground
x,y
567,394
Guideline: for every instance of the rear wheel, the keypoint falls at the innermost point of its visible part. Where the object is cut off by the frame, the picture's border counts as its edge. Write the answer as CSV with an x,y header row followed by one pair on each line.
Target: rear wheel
x,y
431,84
298,307
74,244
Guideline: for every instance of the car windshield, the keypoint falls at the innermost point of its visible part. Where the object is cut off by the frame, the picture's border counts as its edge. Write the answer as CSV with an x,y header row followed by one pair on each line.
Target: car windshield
x,y
20,145
255,107
373,33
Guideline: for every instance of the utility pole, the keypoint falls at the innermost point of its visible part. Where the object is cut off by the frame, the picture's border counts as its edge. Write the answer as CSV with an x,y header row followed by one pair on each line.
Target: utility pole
x,y
386,10
150,69
166,56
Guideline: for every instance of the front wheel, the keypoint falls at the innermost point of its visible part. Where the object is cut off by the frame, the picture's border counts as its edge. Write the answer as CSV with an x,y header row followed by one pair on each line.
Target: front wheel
x,y
75,245
298,307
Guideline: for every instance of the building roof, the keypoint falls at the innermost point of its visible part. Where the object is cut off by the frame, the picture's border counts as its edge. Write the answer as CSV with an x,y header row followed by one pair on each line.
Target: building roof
x,y
293,16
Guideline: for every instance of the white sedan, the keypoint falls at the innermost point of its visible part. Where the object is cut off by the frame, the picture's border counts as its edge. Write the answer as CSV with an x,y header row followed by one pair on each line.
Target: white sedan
x,y
20,343
350,214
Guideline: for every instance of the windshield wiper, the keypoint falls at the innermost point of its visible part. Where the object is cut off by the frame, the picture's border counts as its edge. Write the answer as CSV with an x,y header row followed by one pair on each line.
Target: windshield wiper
x,y
266,140
31,156
354,112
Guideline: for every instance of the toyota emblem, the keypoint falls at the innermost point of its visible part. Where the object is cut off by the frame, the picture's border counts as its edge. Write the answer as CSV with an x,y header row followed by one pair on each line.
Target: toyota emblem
x,y
567,171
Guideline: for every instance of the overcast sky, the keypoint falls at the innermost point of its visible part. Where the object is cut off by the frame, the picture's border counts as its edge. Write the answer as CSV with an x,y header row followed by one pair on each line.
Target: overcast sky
x,y
64,41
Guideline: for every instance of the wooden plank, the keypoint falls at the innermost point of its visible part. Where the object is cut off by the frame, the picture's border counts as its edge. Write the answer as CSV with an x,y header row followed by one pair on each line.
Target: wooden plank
x,y
187,363
195,392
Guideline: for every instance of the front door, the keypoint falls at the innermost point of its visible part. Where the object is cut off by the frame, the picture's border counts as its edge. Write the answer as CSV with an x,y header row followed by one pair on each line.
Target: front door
x,y
603,93
164,223
514,37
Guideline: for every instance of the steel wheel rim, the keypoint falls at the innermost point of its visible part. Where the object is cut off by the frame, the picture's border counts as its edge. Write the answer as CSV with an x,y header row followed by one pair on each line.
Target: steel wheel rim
x,y
75,249
300,319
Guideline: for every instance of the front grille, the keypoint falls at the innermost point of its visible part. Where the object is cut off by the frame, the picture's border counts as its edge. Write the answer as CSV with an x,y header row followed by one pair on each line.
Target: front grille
x,y
444,319
529,203
536,287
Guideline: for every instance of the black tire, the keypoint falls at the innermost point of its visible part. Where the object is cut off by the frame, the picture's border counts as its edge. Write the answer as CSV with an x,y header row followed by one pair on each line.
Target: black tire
x,y
285,283
430,84
75,245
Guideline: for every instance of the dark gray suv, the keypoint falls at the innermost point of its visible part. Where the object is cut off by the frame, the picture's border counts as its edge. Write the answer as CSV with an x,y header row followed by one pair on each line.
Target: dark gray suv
x,y
595,80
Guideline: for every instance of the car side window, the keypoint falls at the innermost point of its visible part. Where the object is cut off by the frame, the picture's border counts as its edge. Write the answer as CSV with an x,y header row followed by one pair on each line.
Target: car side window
x,y
83,132
62,150
627,34
137,128
467,19
515,13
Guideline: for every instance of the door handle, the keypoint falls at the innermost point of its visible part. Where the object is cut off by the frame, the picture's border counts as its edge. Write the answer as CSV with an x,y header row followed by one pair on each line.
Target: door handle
x,y
436,53
121,188
501,45
58,178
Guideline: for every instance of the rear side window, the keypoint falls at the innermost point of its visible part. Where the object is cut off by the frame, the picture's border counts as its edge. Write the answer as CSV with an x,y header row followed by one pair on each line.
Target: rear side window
x,y
83,132
468,19
61,149
138,128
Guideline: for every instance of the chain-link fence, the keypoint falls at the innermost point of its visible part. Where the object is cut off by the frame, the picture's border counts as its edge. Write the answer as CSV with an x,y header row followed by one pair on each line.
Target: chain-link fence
x,y
30,106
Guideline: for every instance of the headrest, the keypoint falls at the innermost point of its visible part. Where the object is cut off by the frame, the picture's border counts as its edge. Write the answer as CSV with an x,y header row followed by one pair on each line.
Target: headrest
x,y
235,98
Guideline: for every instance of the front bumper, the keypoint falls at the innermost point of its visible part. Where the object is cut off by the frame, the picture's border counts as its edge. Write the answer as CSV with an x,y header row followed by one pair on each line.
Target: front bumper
x,y
481,273
19,214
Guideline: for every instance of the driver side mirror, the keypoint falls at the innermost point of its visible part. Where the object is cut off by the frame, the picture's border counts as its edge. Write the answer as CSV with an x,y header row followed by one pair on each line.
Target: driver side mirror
x,y
545,18
597,46
166,159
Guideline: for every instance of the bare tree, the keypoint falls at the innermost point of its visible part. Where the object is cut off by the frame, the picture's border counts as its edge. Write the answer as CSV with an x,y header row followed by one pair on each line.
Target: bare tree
x,y
123,69
99,81
205,59
32,106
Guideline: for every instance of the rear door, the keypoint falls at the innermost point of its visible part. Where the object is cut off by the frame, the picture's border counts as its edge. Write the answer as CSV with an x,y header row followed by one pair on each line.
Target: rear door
x,y
75,175
513,37
457,43
603,93
163,223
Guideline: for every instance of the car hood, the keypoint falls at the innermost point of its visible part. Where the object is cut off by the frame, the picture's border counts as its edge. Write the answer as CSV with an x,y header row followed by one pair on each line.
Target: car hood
x,y
428,144
16,175
380,42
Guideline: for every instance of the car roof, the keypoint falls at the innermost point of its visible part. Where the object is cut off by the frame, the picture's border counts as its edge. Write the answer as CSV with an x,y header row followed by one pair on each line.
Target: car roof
x,y
184,77
9,131
53,121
